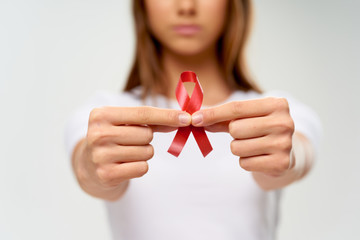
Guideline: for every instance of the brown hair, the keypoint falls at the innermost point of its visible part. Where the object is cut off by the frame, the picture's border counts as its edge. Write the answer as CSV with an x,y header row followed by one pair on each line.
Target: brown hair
x,y
147,70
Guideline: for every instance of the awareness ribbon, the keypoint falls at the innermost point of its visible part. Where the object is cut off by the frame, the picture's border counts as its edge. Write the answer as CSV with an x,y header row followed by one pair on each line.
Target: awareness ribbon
x,y
190,105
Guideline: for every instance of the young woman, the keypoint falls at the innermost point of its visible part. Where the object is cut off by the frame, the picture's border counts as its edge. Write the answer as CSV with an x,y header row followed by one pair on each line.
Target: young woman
x,y
262,141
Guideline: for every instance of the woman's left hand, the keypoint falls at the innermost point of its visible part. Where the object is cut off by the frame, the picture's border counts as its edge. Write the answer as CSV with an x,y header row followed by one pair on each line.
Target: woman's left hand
x,y
262,130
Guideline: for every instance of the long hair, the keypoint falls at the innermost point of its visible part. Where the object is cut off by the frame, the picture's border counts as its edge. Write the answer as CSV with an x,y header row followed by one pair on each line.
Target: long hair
x,y
147,71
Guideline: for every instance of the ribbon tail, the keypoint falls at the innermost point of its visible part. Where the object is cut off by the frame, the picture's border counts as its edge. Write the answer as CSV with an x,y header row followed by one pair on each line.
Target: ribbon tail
x,y
202,140
179,141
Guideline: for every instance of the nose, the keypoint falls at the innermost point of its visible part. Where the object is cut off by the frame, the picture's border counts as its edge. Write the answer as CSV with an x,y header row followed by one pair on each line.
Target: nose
x,y
186,7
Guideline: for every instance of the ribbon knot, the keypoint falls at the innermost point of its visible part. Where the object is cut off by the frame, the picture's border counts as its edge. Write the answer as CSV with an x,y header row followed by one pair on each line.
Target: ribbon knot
x,y
190,105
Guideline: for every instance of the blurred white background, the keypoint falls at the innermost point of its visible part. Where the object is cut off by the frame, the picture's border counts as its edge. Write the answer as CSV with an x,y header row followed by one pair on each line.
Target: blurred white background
x,y
56,54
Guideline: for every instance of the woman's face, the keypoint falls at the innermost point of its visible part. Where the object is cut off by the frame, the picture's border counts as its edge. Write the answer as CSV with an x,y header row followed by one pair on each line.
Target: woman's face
x,y
186,27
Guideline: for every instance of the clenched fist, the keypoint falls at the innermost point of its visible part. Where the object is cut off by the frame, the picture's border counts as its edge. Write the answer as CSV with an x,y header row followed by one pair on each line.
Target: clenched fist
x,y
117,146
262,130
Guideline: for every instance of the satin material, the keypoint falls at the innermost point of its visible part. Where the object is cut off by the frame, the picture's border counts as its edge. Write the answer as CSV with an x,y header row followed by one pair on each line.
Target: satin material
x,y
190,105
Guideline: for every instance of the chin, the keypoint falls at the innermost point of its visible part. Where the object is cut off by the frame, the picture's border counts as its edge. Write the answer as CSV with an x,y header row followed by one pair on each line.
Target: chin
x,y
188,49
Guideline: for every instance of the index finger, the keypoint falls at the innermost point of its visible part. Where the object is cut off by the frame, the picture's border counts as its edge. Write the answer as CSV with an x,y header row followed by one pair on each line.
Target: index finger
x,y
141,116
236,110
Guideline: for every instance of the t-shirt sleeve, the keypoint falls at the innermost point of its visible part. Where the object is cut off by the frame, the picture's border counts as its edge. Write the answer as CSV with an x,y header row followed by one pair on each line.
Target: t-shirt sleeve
x,y
306,120
77,123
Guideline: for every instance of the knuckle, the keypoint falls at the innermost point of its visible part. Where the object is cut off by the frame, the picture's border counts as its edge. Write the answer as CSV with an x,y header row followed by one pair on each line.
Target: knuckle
x,y
232,129
92,137
208,114
290,124
272,100
285,125
234,148
148,135
172,116
104,176
245,164
98,156
283,164
288,144
237,107
143,168
282,143
282,104
96,115
143,113
95,136
149,152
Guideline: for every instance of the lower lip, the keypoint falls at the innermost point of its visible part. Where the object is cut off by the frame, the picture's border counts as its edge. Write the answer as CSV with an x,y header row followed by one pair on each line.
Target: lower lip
x,y
187,30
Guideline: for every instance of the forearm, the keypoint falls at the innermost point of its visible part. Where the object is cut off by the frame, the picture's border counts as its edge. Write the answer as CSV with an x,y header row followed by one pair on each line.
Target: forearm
x,y
84,171
303,160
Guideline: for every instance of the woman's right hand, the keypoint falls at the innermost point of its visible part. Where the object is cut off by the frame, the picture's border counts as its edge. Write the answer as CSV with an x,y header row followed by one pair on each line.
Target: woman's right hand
x,y
117,146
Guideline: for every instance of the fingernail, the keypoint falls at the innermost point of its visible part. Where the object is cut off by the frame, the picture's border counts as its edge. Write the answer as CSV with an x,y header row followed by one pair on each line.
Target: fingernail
x,y
197,118
184,118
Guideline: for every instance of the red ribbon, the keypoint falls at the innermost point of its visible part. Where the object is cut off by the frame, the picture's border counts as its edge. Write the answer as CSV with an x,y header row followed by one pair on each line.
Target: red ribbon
x,y
189,105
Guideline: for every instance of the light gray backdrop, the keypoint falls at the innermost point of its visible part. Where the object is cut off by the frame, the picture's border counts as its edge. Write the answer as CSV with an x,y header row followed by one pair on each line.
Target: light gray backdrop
x,y
55,54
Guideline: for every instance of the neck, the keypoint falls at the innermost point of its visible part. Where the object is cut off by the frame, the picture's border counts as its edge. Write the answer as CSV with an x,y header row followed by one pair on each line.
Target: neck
x,y
206,67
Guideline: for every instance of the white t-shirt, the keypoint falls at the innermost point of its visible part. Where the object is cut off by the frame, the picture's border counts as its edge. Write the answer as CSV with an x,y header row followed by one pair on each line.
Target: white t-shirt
x,y
192,197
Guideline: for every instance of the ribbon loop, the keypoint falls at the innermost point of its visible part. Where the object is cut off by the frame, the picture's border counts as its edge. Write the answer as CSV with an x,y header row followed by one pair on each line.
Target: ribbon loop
x,y
190,105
